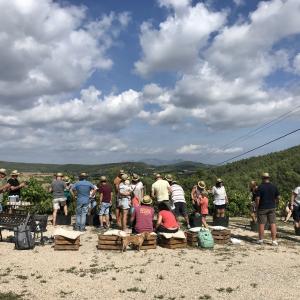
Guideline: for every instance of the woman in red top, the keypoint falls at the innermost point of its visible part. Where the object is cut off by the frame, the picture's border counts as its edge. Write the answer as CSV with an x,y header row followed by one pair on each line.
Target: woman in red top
x,y
166,221
203,203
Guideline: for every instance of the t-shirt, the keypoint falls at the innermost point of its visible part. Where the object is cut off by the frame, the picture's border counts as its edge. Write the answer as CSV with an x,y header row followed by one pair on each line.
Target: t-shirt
x,y
58,188
138,189
160,189
105,190
219,195
177,193
297,192
124,188
144,218
267,192
83,188
203,201
14,182
168,219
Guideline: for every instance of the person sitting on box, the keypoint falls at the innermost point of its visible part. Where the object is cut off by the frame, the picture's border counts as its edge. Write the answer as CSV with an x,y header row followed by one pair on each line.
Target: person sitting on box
x,y
166,221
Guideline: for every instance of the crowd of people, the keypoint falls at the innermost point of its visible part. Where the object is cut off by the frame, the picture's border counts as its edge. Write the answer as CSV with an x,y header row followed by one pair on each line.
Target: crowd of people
x,y
136,209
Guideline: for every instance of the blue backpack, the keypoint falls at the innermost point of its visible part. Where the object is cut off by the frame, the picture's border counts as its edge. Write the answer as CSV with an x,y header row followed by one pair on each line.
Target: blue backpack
x,y
205,239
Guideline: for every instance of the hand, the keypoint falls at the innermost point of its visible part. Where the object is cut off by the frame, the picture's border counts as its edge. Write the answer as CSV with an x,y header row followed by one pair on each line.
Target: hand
x,y
22,184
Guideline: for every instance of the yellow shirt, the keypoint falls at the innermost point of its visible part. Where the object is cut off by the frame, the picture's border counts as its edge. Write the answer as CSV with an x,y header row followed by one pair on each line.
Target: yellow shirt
x,y
160,190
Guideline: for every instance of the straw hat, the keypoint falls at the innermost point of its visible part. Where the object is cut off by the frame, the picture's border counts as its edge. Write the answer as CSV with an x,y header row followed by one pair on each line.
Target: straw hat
x,y
67,179
147,200
124,177
103,178
83,175
15,173
121,172
169,177
135,177
157,176
3,171
219,180
59,174
265,175
201,184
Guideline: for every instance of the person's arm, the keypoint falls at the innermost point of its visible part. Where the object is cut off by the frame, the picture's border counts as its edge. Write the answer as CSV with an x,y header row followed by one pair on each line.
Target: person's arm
x,y
18,187
111,196
257,199
193,192
5,187
159,219
294,195
101,198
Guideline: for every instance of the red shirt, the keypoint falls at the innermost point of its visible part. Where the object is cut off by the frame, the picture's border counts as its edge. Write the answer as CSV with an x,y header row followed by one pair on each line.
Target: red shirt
x,y
168,219
144,218
106,190
204,205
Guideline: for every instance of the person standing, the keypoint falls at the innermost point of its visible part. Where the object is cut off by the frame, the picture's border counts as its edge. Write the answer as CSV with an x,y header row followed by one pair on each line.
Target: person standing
x,y
138,189
253,190
266,199
220,198
161,190
117,182
178,199
57,189
4,186
15,185
82,189
295,206
106,194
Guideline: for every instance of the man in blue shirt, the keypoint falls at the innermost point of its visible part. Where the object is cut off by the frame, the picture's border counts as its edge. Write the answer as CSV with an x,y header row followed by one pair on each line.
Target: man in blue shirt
x,y
82,190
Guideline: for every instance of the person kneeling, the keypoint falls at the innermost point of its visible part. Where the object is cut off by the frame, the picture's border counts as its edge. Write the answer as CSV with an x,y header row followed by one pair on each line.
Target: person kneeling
x,y
166,221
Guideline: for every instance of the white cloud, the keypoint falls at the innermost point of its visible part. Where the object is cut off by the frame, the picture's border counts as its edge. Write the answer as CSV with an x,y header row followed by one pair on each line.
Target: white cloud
x,y
206,149
176,44
49,49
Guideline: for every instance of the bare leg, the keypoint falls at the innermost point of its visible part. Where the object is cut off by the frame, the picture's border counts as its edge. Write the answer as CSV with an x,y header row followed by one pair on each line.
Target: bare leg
x,y
273,231
222,213
261,231
289,213
218,213
253,217
204,222
118,217
187,220
54,217
101,220
107,220
124,219
66,209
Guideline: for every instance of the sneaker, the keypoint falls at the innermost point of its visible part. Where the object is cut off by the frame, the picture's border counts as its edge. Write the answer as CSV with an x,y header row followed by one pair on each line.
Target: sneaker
x,y
274,243
260,242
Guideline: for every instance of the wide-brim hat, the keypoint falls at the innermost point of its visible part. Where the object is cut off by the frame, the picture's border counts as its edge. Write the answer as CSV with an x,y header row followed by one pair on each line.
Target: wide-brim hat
x,y
14,173
103,178
83,175
3,171
121,172
146,200
201,184
124,177
265,175
157,175
169,177
219,180
67,179
59,174
135,177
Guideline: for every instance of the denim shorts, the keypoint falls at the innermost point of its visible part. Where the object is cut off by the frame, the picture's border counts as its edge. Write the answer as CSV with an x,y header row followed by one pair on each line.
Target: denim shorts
x,y
104,209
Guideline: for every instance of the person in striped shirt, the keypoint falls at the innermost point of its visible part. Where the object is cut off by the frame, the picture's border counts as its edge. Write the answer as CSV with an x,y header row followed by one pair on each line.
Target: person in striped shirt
x,y
178,199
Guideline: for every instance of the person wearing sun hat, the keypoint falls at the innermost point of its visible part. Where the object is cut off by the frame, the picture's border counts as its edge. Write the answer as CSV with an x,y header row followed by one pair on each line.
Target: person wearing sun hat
x,y
143,216
138,189
57,189
4,186
200,201
82,189
267,197
105,201
220,198
117,182
15,185
161,190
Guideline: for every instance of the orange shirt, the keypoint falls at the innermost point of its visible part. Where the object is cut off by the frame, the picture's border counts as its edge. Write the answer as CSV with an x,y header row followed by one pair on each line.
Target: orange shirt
x,y
203,201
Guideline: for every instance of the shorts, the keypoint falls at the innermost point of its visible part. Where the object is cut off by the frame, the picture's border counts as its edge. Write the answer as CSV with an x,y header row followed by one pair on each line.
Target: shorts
x,y
180,209
265,216
223,206
296,213
57,202
124,203
104,209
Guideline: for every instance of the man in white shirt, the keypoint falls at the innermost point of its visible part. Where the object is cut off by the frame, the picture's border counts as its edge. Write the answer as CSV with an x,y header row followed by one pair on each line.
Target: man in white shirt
x,y
161,190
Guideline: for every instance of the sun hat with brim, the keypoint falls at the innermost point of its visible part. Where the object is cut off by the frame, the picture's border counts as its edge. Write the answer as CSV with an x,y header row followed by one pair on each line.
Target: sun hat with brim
x,y
83,175
59,174
103,178
157,176
169,177
124,177
121,172
3,171
14,173
135,177
201,184
146,200
265,175
219,180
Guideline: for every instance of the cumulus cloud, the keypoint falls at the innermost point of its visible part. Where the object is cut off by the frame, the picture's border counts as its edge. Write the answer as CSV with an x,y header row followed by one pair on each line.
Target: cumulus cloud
x,y
47,49
176,44
205,149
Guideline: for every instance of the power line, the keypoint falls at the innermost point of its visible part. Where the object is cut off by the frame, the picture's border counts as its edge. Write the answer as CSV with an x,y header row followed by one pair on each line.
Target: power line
x,y
274,140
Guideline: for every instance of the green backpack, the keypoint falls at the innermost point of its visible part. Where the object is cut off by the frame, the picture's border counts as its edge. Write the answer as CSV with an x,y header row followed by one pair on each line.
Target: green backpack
x,y
205,239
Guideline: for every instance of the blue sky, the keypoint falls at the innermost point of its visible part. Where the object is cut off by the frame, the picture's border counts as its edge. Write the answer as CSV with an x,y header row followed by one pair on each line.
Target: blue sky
x,y
107,81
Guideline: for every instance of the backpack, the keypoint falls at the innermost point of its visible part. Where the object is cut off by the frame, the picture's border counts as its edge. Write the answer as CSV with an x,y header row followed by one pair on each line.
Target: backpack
x,y
23,237
205,239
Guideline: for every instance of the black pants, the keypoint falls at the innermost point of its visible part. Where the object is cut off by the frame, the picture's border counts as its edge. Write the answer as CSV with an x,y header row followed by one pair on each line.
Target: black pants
x,y
166,230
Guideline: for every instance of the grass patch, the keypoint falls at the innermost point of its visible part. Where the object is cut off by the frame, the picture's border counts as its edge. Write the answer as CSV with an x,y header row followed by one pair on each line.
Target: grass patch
x,y
160,277
22,277
254,285
205,296
159,297
10,296
136,290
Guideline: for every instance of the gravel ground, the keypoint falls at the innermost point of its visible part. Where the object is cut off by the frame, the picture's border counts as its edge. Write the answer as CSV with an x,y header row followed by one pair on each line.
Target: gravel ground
x,y
246,271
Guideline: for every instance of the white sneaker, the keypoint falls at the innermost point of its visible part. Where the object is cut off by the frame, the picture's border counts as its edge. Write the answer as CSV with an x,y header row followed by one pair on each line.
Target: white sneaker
x,y
274,243
260,242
